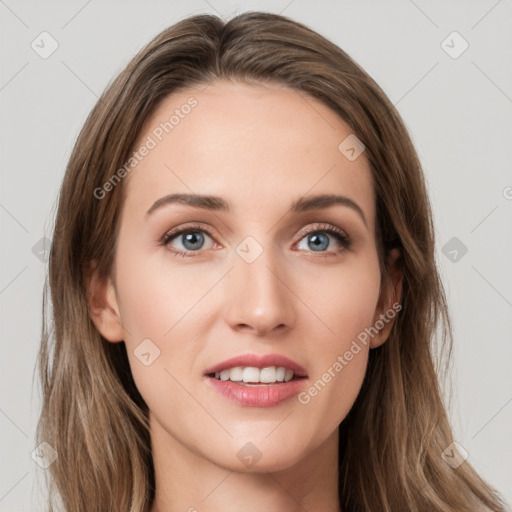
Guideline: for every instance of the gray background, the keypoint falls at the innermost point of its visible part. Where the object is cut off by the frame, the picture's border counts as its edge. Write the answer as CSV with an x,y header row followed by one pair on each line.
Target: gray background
x,y
458,111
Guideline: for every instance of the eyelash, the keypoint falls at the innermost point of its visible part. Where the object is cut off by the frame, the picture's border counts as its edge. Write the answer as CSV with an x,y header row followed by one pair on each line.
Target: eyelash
x,y
324,228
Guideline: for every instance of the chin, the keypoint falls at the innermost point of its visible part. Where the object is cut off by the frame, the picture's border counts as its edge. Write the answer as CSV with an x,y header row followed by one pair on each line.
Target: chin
x,y
255,454
267,464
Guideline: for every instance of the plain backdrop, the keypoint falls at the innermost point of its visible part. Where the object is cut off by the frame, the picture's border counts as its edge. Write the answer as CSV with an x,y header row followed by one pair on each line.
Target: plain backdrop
x,y
455,101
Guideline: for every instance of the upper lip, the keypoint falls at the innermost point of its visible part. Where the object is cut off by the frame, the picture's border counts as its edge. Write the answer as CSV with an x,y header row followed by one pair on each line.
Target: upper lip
x,y
258,361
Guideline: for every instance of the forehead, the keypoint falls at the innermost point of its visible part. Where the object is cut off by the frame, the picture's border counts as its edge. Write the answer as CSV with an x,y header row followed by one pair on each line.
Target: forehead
x,y
261,146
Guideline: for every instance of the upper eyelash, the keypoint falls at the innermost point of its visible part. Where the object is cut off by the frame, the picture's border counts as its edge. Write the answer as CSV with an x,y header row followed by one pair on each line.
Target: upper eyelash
x,y
324,228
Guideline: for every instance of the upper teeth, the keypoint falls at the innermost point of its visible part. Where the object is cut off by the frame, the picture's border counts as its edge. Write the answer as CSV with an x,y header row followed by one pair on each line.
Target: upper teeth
x,y
252,374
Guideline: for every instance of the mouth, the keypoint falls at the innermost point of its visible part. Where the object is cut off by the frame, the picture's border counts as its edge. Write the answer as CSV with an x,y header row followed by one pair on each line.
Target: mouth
x,y
253,380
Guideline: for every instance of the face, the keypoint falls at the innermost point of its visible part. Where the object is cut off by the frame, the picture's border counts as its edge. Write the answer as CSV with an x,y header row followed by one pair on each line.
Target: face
x,y
262,271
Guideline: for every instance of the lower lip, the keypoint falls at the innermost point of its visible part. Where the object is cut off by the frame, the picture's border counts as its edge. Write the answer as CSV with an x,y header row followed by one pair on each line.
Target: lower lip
x,y
262,395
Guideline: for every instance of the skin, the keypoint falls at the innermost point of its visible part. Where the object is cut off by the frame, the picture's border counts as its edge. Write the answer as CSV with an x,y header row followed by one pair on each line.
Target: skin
x,y
260,147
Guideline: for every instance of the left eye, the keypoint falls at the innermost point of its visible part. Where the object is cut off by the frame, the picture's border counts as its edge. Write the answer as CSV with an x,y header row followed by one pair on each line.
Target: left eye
x,y
318,240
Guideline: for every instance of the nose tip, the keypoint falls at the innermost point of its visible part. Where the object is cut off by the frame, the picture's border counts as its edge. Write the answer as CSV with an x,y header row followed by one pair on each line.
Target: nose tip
x,y
260,323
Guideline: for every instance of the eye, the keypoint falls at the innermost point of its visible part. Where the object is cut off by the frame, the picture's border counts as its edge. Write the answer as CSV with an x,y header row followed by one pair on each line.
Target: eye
x,y
318,239
191,238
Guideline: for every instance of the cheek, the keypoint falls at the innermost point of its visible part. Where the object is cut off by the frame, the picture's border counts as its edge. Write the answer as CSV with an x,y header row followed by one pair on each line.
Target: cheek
x,y
342,301
166,309
156,294
341,346
158,318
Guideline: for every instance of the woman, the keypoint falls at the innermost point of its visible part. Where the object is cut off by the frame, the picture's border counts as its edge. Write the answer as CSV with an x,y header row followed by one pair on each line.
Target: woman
x,y
244,289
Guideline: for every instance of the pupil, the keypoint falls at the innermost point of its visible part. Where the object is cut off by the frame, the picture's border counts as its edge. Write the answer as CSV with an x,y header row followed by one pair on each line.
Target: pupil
x,y
193,238
316,241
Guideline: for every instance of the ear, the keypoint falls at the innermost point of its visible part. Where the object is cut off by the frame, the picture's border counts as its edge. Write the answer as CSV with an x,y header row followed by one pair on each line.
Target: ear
x,y
102,305
389,301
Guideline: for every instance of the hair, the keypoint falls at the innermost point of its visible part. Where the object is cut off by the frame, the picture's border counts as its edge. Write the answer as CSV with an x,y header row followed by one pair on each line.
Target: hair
x,y
391,442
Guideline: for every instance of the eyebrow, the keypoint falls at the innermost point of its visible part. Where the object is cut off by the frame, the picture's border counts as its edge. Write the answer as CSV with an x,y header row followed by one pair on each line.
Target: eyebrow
x,y
216,203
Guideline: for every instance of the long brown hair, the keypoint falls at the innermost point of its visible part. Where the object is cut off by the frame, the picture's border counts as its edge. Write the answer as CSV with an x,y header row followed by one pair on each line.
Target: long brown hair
x,y
391,442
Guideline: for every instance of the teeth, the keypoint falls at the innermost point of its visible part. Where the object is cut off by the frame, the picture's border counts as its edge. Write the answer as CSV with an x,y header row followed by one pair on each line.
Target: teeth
x,y
224,375
250,374
268,375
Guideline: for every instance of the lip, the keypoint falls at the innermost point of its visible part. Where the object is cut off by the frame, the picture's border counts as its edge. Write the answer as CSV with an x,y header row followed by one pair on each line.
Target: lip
x,y
258,395
258,361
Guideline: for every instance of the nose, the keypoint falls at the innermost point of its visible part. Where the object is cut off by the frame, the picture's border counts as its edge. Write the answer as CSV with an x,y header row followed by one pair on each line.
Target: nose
x,y
260,294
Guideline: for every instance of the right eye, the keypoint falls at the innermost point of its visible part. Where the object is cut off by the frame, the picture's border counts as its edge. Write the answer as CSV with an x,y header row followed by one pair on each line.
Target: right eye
x,y
191,238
